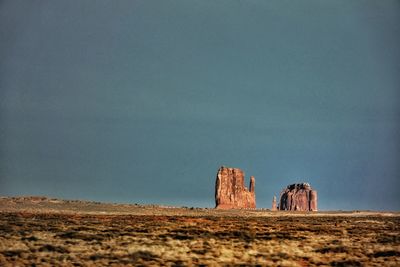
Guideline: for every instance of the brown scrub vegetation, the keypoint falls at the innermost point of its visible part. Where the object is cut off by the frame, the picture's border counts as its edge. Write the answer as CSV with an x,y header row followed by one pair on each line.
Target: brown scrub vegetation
x,y
151,235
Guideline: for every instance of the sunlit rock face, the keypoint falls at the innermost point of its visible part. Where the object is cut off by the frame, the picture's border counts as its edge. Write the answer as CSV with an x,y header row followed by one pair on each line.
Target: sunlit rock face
x,y
230,191
300,197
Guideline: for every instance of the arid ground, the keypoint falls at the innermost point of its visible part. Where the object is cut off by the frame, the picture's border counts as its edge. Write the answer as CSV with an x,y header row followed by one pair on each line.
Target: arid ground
x,y
50,232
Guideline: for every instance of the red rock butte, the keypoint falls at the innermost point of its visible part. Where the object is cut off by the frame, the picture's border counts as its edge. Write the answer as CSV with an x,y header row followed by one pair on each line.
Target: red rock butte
x,y
300,197
230,191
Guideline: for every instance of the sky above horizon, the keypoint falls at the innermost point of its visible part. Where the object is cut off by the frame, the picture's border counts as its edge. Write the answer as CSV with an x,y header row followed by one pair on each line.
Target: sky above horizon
x,y
143,101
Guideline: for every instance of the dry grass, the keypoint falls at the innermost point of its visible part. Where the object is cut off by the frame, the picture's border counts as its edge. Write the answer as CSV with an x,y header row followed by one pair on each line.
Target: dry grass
x,y
184,237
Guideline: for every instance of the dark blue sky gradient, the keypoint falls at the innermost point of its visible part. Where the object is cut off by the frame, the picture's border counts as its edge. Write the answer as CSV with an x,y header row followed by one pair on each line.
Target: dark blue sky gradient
x,y
142,101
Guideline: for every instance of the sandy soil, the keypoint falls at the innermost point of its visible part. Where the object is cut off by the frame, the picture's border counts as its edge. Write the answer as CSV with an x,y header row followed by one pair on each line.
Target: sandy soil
x,y
46,232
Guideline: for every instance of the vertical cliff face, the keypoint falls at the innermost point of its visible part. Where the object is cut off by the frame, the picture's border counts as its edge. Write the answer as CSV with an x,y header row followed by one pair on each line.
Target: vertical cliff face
x,y
230,191
299,197
313,200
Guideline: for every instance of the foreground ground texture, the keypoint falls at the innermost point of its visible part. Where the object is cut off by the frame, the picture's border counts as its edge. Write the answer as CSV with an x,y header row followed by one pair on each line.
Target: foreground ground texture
x,y
52,233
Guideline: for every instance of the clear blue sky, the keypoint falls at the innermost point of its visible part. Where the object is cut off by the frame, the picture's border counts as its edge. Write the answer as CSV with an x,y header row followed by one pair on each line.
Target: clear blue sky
x,y
142,101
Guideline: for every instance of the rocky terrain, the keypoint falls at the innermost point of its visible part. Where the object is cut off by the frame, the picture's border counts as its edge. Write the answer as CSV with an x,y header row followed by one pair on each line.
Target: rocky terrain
x,y
230,191
51,232
300,197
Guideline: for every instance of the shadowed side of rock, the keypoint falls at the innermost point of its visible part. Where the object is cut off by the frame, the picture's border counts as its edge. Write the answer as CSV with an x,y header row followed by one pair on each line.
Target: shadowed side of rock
x,y
230,191
298,197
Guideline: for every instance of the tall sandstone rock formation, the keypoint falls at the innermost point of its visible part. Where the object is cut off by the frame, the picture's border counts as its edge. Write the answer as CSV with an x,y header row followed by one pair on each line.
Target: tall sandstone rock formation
x,y
299,197
230,192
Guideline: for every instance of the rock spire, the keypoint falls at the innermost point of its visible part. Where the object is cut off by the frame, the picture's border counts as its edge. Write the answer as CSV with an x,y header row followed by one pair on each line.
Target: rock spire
x,y
274,206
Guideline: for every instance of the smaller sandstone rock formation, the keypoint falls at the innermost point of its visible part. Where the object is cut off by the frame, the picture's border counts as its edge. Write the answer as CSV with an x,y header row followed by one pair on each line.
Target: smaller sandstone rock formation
x,y
230,192
300,197
274,207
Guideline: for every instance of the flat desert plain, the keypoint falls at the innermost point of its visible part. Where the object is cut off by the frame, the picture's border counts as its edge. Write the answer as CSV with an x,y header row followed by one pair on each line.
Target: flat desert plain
x,y
50,232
